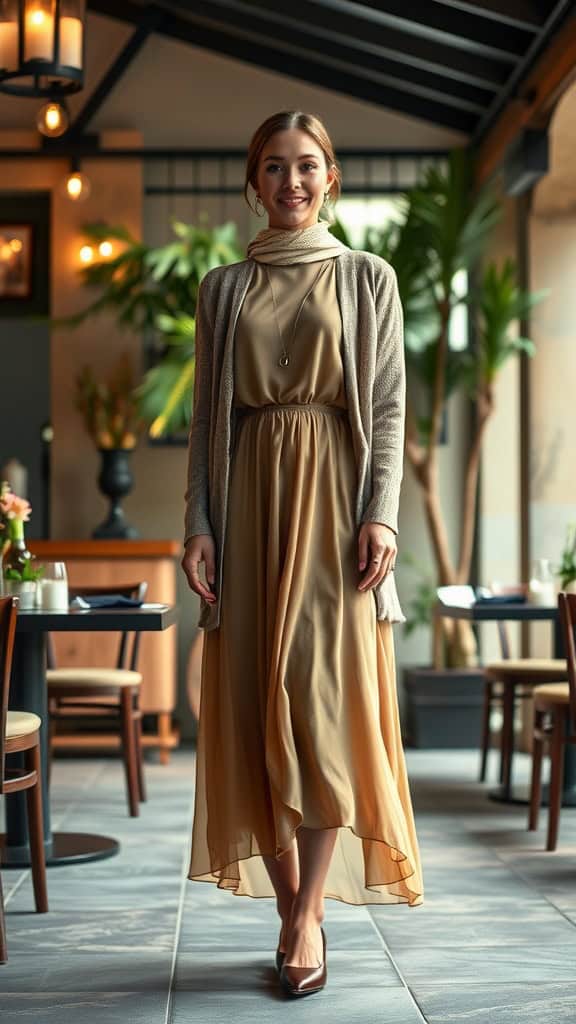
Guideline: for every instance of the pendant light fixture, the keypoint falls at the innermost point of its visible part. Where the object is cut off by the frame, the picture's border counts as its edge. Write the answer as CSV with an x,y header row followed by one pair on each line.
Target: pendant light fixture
x,y
42,47
76,186
52,120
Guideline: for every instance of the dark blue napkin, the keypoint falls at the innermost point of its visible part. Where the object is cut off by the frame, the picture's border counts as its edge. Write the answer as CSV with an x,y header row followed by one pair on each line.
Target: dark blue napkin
x,y
109,601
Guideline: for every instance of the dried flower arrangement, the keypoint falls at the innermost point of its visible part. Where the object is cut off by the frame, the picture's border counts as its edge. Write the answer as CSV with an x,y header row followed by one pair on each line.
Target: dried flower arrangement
x,y
110,409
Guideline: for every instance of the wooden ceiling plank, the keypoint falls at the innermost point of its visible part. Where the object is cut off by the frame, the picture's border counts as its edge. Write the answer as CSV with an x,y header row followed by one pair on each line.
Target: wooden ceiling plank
x,y
552,74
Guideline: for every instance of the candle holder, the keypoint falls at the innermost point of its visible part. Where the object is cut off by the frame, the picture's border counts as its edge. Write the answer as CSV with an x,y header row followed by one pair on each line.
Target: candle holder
x,y
52,591
42,47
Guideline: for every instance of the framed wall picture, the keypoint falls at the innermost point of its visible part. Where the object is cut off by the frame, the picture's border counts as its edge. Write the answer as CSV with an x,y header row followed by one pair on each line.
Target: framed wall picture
x,y
15,260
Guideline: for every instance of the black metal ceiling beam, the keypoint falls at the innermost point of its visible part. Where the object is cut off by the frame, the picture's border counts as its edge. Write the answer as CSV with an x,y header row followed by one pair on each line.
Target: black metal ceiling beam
x,y
343,57
522,14
88,148
361,38
150,22
314,68
368,35
427,20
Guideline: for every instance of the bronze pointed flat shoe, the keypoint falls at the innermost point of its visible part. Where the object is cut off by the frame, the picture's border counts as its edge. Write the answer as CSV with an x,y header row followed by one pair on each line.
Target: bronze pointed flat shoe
x,y
303,981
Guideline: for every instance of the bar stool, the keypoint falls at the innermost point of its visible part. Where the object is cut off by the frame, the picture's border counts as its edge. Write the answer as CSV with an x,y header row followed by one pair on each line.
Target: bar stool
x,y
554,724
20,731
112,692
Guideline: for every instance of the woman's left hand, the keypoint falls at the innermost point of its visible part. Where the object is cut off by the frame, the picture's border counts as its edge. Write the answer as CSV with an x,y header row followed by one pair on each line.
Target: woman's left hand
x,y
377,552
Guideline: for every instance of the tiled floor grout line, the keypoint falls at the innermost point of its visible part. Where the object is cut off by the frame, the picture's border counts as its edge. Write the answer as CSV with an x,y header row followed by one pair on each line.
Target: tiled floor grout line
x,y
178,926
526,879
390,956
59,820
56,825
516,870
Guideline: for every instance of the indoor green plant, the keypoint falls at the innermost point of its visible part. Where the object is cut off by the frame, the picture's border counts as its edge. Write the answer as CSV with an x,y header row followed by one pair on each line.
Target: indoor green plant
x,y
566,571
154,290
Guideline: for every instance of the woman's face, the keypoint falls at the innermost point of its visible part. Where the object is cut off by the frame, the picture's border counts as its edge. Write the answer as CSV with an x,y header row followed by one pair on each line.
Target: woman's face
x,y
292,178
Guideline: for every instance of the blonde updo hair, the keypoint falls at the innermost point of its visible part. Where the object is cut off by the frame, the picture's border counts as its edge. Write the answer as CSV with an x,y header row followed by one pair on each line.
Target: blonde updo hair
x,y
282,121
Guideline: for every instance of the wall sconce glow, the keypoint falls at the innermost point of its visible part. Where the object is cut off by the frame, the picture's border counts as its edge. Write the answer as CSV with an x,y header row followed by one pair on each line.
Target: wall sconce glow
x,y
42,47
105,249
52,120
77,187
86,254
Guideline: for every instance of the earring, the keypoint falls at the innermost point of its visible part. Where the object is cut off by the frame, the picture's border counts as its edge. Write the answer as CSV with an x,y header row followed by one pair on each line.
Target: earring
x,y
258,200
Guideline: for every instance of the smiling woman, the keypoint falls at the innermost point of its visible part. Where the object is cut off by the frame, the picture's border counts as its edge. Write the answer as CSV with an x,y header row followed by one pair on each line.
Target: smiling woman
x,y
301,785
293,169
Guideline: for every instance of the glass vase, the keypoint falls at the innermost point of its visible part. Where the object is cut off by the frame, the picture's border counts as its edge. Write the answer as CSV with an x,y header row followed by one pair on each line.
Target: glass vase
x,y
16,561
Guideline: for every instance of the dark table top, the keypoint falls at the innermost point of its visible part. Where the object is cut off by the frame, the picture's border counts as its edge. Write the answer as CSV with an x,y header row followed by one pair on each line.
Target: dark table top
x,y
492,611
151,618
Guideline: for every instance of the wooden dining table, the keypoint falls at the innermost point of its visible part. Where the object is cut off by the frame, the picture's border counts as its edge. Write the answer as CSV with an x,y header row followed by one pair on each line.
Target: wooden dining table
x,y
29,692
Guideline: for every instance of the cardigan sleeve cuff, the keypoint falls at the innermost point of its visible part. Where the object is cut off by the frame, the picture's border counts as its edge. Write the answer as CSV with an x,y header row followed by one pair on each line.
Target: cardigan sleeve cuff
x,y
375,514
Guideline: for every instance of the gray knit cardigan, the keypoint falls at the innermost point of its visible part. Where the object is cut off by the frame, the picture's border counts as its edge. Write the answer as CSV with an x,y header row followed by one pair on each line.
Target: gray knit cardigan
x,y
374,375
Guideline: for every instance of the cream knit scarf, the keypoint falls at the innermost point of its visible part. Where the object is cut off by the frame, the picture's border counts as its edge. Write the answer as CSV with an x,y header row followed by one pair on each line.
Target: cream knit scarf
x,y
301,245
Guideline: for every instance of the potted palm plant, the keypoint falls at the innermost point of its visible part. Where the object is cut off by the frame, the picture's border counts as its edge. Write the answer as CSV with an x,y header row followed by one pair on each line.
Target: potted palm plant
x,y
443,232
441,237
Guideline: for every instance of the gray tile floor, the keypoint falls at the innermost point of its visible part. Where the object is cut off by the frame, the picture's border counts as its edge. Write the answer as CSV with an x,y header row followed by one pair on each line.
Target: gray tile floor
x,y
131,940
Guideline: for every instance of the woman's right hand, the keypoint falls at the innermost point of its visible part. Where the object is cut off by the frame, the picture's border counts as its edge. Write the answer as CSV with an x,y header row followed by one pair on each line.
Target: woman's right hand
x,y
200,548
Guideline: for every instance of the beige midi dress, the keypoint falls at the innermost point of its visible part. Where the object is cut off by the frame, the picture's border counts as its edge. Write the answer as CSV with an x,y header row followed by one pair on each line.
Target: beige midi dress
x,y
298,721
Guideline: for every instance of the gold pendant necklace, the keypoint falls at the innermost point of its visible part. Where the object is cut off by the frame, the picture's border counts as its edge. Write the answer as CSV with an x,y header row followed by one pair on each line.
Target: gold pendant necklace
x,y
284,359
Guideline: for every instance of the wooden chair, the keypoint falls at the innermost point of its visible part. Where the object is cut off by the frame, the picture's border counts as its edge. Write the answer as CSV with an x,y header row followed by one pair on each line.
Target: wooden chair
x,y
20,731
505,683
555,724
113,693
510,681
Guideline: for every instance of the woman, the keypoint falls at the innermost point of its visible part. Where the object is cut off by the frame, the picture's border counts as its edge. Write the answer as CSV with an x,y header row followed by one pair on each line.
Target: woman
x,y
295,463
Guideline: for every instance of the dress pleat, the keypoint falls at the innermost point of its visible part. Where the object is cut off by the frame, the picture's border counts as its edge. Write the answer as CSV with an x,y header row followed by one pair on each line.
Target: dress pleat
x,y
299,720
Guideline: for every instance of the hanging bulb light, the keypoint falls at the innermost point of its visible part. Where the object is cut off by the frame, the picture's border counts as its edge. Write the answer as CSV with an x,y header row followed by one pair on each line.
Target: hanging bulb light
x,y
86,254
105,249
76,186
52,119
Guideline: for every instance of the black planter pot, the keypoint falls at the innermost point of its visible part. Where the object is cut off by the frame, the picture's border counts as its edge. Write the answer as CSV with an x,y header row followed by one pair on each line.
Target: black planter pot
x,y
115,481
443,707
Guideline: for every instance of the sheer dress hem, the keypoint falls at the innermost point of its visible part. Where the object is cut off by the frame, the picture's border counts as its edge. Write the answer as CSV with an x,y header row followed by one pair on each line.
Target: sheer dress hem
x,y
233,884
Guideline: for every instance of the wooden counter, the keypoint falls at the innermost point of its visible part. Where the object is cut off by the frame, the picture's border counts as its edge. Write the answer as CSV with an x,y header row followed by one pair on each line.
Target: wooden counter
x,y
103,562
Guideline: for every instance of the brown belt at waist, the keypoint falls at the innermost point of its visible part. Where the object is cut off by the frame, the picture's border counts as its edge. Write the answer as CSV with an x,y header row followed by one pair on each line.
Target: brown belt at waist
x,y
336,410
